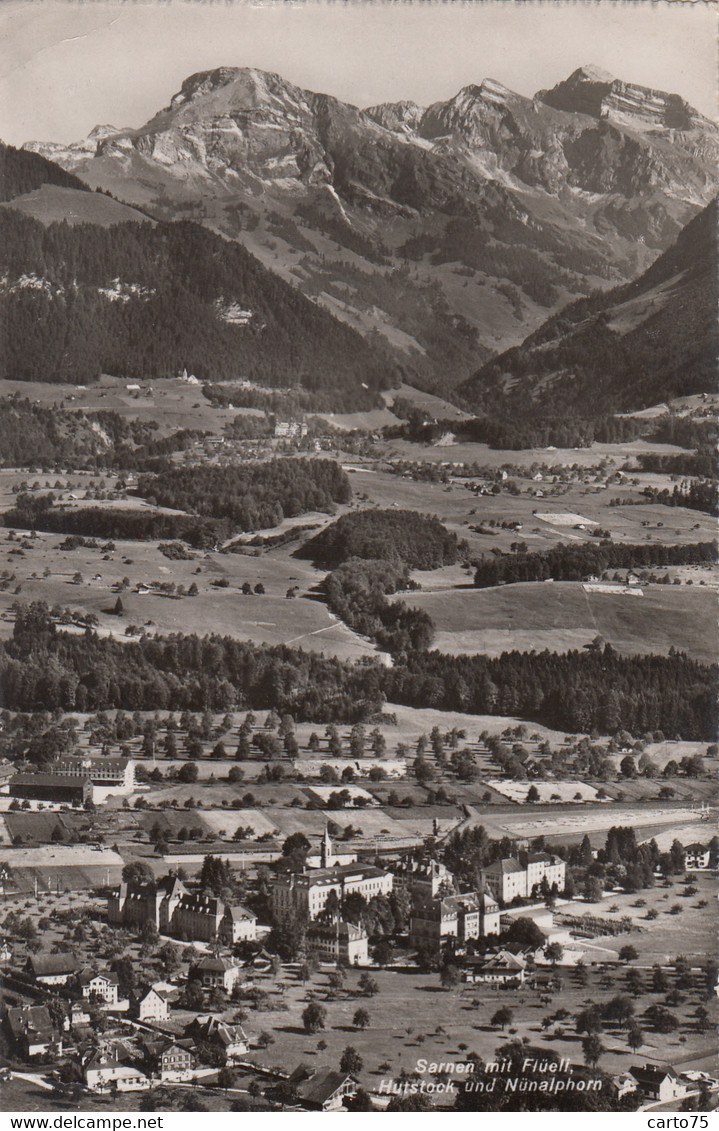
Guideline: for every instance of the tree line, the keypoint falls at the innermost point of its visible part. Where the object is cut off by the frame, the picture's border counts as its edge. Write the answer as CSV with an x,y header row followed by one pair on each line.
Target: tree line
x,y
356,592
571,562
42,668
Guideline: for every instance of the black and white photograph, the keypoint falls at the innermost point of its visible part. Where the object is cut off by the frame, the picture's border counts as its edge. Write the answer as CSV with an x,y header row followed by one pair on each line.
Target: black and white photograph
x,y
358,565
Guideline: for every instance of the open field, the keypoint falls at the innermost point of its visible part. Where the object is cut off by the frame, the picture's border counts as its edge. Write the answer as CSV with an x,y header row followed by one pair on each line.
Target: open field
x,y
692,932
170,402
563,615
495,457
412,1017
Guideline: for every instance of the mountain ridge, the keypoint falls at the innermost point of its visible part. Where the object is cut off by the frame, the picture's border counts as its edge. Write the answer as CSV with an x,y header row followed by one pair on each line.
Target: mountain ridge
x,y
450,230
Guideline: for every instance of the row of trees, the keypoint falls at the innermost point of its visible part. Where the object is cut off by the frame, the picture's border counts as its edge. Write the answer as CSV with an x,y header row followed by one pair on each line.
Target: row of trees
x,y
572,562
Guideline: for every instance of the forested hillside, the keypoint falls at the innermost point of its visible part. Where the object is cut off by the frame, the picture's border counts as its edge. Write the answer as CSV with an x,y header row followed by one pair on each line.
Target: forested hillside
x,y
21,172
251,495
146,301
628,348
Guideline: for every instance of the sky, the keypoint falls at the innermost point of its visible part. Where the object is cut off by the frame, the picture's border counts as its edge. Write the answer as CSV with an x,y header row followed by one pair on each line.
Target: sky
x,y
68,65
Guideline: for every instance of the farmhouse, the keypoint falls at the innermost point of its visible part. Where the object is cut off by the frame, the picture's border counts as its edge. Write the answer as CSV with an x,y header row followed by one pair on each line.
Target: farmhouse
x,y
32,1030
338,942
503,968
168,1059
216,973
52,969
658,1082
230,1039
110,1064
103,986
322,1088
697,856
51,787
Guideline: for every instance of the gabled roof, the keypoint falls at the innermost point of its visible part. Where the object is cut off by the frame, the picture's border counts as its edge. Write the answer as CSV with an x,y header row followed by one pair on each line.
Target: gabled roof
x,y
88,975
215,965
43,965
505,866
143,991
652,1073
59,781
212,1029
31,1021
321,1085
237,911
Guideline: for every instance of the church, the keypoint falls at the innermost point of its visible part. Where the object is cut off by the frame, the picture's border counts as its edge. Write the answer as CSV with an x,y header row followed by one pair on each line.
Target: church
x,y
306,893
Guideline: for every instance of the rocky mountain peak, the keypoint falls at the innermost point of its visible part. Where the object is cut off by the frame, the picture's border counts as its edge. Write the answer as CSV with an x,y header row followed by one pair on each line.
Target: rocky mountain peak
x,y
592,91
396,116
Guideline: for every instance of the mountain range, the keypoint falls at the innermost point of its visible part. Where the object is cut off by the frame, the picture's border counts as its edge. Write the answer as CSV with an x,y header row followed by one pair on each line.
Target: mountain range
x,y
444,233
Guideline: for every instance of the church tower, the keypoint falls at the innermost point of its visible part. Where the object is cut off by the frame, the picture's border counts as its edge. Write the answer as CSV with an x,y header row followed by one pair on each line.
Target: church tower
x,y
326,853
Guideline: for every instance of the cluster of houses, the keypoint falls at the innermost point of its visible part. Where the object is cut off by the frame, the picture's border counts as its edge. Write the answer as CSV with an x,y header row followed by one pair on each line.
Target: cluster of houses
x,y
147,1044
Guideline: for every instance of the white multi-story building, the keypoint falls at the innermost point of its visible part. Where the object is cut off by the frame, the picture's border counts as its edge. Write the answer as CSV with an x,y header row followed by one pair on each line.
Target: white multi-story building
x,y
104,985
434,921
338,942
99,770
508,878
306,893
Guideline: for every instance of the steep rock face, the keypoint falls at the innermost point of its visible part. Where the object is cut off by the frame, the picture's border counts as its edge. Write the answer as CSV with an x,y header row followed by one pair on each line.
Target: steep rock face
x,y
594,92
492,208
637,345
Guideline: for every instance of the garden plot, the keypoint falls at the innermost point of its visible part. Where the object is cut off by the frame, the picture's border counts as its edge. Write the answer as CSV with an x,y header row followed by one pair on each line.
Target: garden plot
x,y
376,823
548,791
565,518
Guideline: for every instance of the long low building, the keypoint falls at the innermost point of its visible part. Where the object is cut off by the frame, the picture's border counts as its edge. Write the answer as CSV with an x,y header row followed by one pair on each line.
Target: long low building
x,y
102,769
51,787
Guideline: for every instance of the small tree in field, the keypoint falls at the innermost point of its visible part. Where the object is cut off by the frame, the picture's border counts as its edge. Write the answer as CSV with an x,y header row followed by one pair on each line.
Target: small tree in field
x,y
449,976
503,1017
314,1017
351,1061
592,1048
360,1019
554,952
368,985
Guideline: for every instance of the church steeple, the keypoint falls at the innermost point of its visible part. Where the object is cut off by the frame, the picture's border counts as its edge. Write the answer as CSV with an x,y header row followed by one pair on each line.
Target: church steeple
x,y
326,853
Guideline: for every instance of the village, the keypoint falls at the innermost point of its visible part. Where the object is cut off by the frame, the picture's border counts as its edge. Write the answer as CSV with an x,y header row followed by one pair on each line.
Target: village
x,y
264,973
